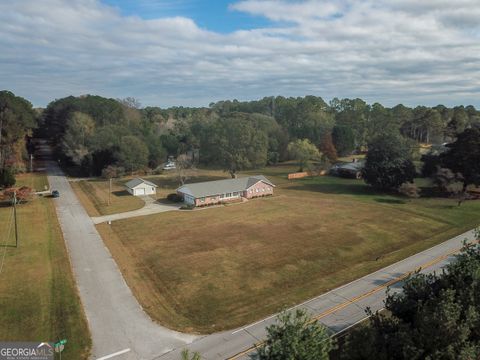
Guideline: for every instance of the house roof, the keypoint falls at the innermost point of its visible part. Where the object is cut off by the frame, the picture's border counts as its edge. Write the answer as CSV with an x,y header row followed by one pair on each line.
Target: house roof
x,y
353,166
138,181
216,187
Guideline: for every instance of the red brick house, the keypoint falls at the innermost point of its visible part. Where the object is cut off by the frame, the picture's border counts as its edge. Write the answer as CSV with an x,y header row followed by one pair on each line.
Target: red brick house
x,y
219,191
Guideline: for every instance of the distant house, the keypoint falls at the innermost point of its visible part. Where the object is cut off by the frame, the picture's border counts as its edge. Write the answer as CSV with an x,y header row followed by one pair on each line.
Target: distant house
x,y
219,191
140,187
351,170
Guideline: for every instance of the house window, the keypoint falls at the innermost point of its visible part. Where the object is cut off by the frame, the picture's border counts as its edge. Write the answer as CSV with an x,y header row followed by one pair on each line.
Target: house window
x,y
229,195
235,193
222,196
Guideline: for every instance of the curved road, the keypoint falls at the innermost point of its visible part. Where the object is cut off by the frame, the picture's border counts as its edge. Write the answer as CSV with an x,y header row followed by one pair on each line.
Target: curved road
x,y
116,320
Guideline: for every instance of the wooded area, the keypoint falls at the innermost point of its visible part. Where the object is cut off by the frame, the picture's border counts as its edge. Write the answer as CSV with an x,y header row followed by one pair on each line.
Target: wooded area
x,y
95,132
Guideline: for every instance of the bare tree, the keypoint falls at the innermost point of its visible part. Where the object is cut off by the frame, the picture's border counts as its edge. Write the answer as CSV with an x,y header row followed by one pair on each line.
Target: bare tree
x,y
131,102
185,168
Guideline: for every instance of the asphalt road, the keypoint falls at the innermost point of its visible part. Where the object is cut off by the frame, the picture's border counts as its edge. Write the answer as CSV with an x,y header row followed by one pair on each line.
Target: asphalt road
x,y
116,320
338,309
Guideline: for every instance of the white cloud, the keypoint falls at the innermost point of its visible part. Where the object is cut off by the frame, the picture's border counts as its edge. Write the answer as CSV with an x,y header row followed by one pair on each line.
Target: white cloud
x,y
382,50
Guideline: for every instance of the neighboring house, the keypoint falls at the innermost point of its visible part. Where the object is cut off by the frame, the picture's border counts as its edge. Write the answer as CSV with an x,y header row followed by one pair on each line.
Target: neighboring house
x,y
219,191
140,187
351,170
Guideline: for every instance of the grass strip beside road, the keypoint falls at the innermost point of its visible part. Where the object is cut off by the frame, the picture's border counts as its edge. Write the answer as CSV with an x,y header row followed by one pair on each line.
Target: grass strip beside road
x,y
38,297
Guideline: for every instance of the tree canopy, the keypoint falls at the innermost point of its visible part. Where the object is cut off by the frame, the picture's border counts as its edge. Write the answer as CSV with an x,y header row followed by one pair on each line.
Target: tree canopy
x,y
388,163
463,157
295,337
436,316
303,151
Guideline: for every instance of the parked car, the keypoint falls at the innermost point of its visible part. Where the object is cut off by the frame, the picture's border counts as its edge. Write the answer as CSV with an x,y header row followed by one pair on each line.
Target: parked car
x,y
169,166
55,193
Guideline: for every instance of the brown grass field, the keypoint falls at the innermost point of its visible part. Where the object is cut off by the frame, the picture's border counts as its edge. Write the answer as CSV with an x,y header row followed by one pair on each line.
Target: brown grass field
x,y
38,296
219,268
94,196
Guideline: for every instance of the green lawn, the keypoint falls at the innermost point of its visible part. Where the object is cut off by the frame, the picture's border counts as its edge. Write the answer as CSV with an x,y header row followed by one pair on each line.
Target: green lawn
x,y
215,269
38,296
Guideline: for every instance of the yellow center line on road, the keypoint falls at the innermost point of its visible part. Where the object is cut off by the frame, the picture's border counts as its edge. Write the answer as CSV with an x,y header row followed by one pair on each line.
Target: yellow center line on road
x,y
359,297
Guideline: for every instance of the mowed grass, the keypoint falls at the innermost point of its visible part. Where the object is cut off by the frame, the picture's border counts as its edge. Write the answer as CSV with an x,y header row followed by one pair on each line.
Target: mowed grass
x,y
38,296
94,195
37,181
220,268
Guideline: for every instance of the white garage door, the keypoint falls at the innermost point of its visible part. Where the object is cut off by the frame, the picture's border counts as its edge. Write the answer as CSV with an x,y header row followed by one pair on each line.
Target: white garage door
x,y
140,191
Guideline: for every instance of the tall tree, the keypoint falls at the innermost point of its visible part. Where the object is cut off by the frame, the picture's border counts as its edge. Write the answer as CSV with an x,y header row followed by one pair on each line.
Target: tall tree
x,y
463,157
343,140
303,151
80,127
388,163
240,146
132,153
17,119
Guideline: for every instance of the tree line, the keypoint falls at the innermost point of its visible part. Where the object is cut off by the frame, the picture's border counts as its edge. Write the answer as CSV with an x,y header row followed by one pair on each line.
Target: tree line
x,y
94,132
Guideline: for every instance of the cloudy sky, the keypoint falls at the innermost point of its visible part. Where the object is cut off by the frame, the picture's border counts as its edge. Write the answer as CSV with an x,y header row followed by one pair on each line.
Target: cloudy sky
x,y
192,52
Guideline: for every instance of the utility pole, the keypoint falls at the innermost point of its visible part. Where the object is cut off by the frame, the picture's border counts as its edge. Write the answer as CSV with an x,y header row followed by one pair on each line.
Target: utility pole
x,y
15,217
109,190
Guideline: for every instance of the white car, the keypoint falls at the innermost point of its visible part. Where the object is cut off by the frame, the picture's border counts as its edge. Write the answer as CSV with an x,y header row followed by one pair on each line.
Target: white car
x,y
169,166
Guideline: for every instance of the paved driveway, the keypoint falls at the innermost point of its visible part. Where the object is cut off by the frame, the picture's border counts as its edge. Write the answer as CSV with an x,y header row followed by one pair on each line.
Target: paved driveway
x,y
116,320
151,207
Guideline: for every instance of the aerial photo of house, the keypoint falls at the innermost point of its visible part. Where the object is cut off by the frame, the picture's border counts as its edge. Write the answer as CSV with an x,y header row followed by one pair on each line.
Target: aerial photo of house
x,y
219,191
140,187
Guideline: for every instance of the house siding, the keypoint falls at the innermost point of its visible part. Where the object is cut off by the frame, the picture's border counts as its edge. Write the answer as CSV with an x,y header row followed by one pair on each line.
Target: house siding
x,y
147,190
258,189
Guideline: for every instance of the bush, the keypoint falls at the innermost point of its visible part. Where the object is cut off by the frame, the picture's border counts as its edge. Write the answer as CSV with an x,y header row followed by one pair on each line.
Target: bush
x,y
409,190
7,178
174,198
187,207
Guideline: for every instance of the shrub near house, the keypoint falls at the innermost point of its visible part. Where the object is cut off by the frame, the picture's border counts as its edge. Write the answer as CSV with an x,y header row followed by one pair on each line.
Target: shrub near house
x,y
220,191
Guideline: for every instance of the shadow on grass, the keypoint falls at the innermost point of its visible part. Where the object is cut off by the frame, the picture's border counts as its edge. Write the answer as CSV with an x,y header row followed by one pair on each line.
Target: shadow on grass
x,y
121,193
390,201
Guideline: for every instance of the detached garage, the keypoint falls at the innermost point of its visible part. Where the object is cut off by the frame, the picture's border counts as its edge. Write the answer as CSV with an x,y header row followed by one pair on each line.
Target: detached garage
x,y
140,187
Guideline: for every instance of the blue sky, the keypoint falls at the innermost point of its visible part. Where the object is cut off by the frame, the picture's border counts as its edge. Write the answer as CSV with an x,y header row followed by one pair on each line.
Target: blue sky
x,y
191,52
213,15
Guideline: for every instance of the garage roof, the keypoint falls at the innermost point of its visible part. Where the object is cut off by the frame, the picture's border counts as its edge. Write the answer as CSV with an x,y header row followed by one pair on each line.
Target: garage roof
x,y
138,181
